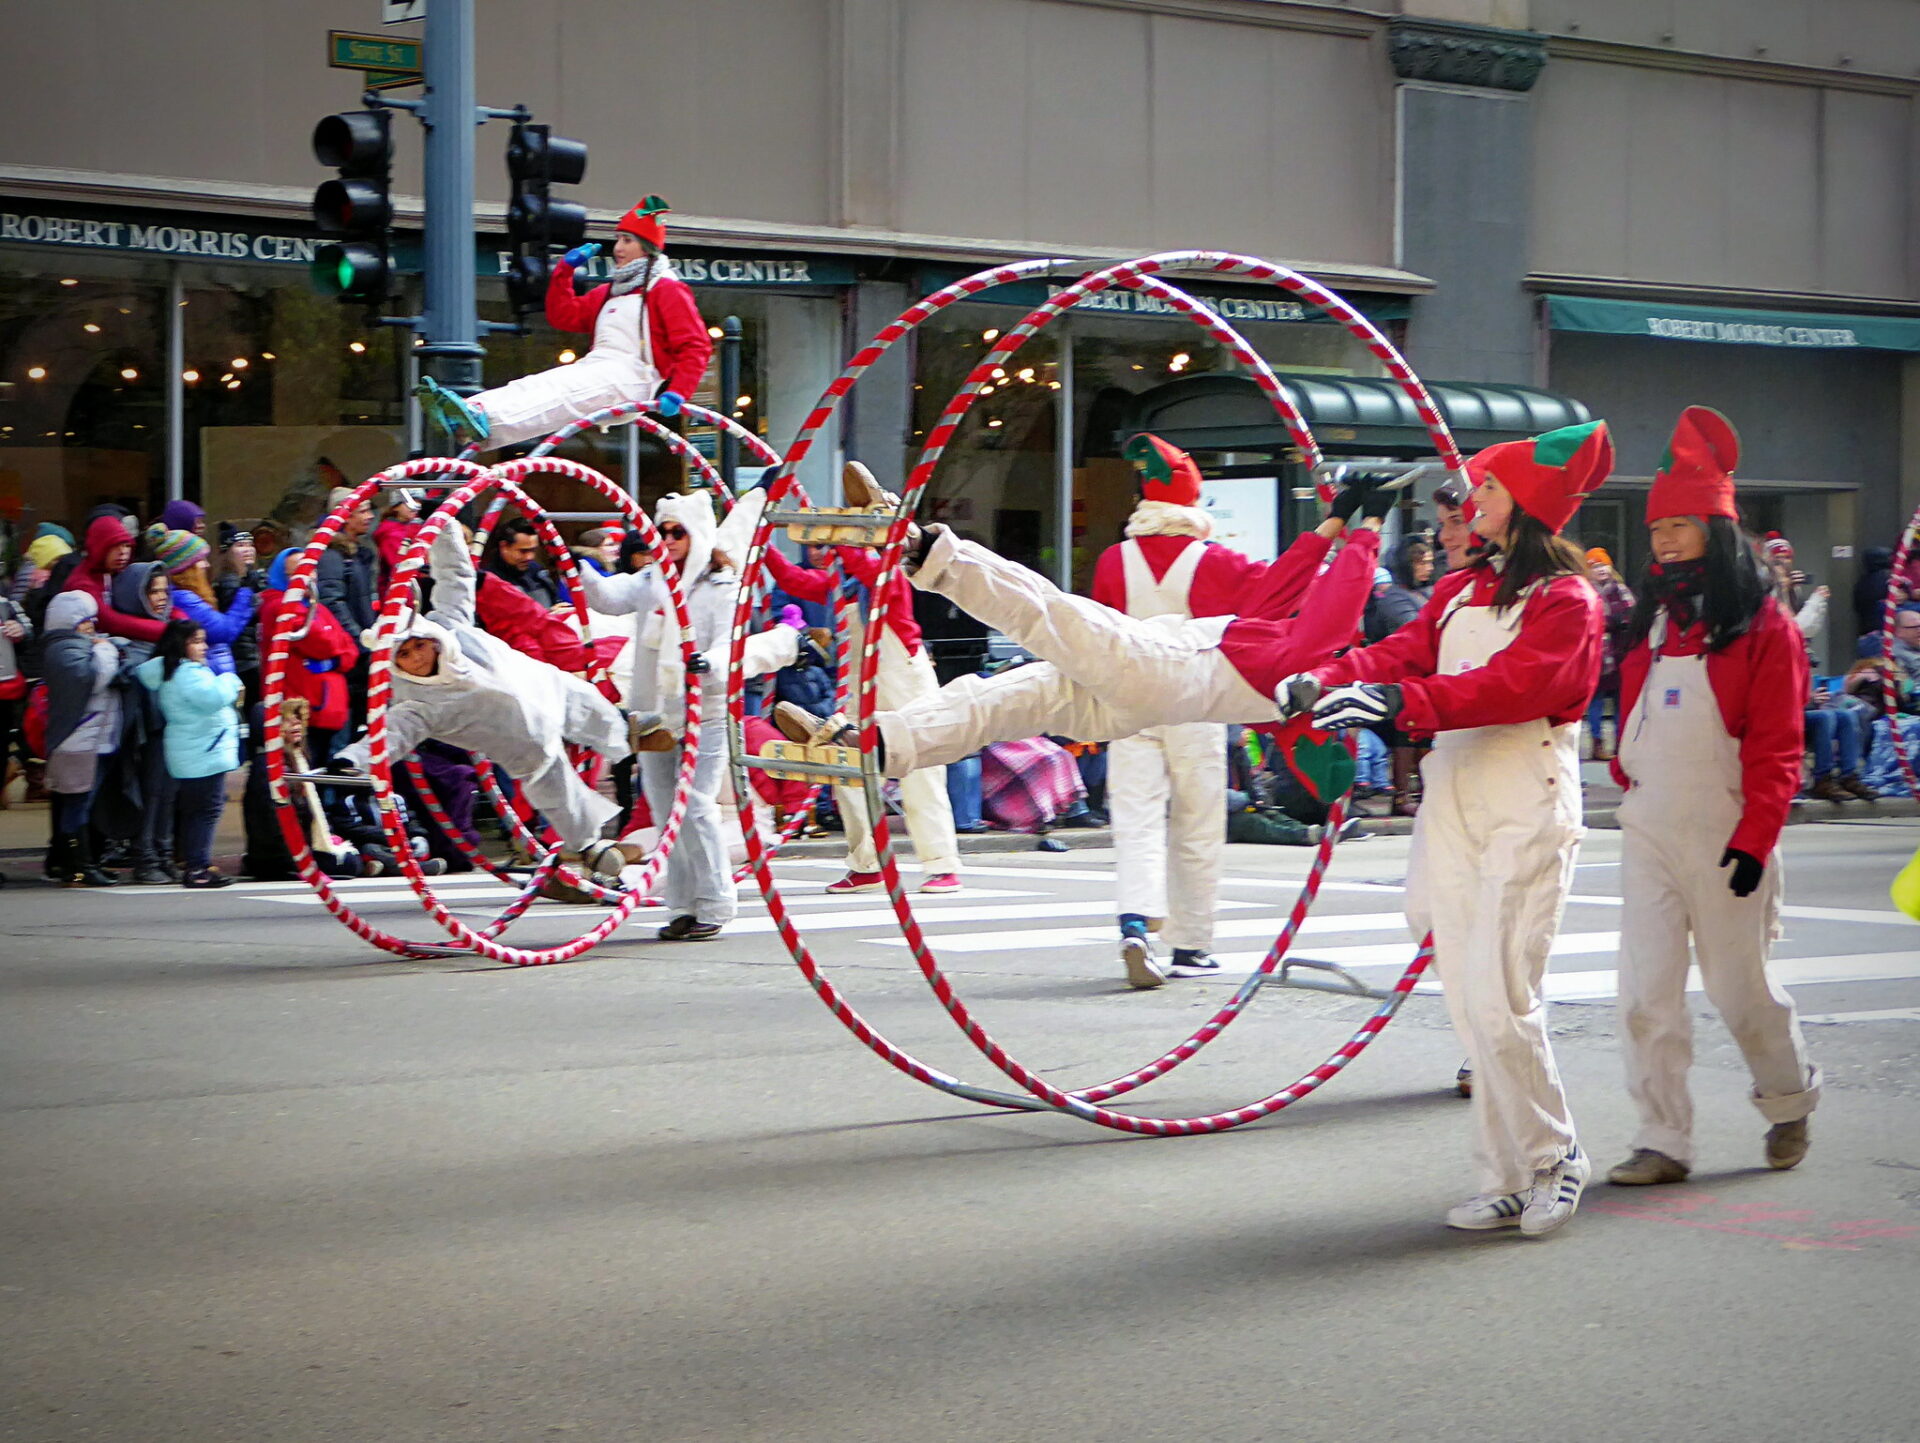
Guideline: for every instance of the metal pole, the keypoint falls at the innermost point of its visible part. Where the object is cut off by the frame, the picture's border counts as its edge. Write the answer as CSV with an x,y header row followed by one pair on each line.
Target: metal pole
x,y
729,397
452,354
176,385
632,477
1063,455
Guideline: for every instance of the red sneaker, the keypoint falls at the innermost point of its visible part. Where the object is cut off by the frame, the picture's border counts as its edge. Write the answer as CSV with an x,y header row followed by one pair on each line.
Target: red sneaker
x,y
856,882
945,882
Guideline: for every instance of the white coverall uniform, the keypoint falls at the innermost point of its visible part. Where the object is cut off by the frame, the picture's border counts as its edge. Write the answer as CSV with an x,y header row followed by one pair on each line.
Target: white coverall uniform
x,y
1167,786
1686,800
1492,862
899,679
617,370
699,879
1107,675
489,698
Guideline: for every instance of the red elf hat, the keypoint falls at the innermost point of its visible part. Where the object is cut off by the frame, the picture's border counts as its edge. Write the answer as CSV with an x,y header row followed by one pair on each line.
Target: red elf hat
x,y
644,221
1696,475
1551,474
1166,472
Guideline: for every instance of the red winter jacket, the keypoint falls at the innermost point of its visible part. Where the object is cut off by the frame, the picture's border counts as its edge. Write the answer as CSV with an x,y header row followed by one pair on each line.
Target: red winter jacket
x,y
805,584
525,625
1266,650
1548,671
92,577
681,344
1226,582
1760,681
323,640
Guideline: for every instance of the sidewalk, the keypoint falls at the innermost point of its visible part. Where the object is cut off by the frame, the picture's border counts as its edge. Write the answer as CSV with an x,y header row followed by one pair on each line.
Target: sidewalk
x,y
23,829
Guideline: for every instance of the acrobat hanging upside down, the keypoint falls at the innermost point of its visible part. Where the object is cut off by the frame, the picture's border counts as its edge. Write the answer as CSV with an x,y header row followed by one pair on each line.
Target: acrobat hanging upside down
x,y
649,344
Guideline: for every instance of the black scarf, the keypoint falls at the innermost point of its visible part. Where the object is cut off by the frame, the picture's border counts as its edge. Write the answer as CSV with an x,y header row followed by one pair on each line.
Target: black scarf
x,y
1676,585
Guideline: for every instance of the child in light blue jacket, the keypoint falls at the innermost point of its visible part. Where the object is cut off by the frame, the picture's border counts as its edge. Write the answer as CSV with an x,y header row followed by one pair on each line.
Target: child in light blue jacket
x,y
202,740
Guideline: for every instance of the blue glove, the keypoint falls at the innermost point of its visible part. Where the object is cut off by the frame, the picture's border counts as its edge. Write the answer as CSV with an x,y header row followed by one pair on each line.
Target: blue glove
x,y
320,668
581,254
668,403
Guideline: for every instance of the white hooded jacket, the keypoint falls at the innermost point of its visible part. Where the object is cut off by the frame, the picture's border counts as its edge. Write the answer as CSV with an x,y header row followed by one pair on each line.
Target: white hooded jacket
x,y
659,672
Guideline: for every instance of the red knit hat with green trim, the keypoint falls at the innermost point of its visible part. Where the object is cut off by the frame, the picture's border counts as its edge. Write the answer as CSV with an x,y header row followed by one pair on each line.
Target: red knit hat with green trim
x,y
1696,475
1551,474
644,221
1166,472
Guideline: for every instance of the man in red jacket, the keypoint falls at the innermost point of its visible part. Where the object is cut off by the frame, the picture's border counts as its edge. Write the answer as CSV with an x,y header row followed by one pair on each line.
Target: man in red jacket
x,y
650,345
1713,694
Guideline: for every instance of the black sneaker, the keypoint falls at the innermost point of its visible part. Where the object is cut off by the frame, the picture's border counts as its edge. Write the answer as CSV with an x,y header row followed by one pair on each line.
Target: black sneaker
x,y
688,929
1194,959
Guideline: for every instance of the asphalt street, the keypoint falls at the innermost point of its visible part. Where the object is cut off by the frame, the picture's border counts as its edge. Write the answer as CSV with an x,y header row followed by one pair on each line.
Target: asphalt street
x,y
265,1183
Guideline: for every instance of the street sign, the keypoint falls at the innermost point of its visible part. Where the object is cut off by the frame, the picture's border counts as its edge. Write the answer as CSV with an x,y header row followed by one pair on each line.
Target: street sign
x,y
393,79
399,12
348,50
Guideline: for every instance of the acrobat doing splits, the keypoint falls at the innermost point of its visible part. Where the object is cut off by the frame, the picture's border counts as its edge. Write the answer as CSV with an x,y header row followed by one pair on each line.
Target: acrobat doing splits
x,y
650,346
456,684
1105,674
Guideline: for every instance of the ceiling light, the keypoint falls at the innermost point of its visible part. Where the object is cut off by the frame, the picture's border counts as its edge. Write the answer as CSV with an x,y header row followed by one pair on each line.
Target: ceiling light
x,y
359,348
567,358
239,363
715,332
91,329
189,376
127,373
989,335
37,373
68,281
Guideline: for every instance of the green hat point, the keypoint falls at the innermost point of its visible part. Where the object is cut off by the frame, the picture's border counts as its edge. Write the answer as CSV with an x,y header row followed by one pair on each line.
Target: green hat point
x,y
1556,448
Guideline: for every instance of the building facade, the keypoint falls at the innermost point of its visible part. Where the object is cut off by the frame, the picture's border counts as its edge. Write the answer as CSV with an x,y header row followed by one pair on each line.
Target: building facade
x,y
1632,206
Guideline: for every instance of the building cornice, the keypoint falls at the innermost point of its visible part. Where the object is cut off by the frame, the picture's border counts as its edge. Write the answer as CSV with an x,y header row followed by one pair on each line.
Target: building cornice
x,y
1448,52
1696,62
1624,289
294,203
1320,19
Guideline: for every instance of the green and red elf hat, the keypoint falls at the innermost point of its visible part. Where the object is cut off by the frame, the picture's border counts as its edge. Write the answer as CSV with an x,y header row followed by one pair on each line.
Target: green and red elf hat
x,y
1696,475
644,221
1551,474
1166,472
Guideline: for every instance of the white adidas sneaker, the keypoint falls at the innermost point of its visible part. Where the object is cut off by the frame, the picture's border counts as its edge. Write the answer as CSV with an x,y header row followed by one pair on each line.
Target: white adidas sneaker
x,y
1556,1195
1484,1212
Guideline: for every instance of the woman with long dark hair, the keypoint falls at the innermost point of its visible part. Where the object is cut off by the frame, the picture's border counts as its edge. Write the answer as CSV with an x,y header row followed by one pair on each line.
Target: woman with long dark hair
x,y
1713,688
1497,668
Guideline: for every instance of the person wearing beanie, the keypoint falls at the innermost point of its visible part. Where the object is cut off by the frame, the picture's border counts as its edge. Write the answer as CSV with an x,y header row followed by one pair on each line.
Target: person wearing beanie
x,y
399,523
904,672
35,562
1167,786
185,557
650,345
83,725
139,766
1498,668
183,515
345,576
1713,687
1104,674
1617,601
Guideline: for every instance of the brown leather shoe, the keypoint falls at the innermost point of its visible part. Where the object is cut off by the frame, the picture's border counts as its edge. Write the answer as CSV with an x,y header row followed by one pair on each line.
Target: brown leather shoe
x,y
858,487
1851,784
1787,1143
1828,789
1647,1168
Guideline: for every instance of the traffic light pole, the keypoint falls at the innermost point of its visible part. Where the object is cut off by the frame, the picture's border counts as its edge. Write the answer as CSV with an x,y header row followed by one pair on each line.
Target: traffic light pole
x,y
450,325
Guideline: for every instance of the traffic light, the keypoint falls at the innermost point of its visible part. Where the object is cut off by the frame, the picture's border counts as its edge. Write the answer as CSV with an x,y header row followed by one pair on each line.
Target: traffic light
x,y
357,206
536,222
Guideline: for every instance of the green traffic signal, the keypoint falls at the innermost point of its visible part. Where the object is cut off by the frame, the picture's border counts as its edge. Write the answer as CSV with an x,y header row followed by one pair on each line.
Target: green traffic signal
x,y
350,272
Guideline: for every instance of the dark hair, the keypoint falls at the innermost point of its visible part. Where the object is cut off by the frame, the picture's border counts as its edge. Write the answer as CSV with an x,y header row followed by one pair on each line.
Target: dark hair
x,y
1534,552
1411,549
1452,493
1735,583
173,644
510,528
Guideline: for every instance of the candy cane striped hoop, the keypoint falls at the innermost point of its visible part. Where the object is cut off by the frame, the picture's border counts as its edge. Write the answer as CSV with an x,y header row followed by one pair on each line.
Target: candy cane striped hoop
x,y
1889,685
1040,1094
476,481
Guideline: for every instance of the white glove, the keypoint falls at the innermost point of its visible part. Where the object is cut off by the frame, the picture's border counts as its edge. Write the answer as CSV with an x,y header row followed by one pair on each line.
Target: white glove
x,y
1363,704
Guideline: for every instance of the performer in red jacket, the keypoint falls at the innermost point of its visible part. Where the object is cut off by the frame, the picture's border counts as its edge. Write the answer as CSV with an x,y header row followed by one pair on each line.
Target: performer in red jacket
x,y
1713,692
649,344
1167,786
1499,667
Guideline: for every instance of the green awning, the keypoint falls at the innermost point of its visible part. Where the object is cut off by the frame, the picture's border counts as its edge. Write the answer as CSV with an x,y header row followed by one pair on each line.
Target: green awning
x,y
1800,330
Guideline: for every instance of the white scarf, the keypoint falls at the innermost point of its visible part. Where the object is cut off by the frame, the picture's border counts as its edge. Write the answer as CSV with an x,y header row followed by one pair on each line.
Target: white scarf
x,y
1164,518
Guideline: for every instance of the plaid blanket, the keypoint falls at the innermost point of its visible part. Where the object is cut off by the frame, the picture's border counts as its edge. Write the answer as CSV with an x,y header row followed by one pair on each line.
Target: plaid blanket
x,y
1027,786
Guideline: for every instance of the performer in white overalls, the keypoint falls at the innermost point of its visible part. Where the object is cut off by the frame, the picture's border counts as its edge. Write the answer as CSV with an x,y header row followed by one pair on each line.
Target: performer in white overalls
x,y
1713,696
649,344
1167,786
1499,667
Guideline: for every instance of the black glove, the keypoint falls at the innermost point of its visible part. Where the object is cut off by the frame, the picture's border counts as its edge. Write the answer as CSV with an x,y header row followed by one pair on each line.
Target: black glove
x,y
699,665
1747,871
1356,490
1297,694
341,767
1363,704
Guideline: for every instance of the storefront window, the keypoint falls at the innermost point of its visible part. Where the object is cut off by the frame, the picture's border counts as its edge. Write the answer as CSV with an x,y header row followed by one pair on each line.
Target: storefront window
x,y
82,385
287,395
998,481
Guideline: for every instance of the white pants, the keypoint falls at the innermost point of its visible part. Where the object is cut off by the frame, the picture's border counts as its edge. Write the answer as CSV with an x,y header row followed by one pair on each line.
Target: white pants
x,y
1167,787
1492,862
699,880
1107,675
534,407
899,680
1673,893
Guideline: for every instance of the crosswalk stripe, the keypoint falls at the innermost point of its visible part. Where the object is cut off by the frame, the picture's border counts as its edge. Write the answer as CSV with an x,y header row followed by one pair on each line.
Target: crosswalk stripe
x,y
403,893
